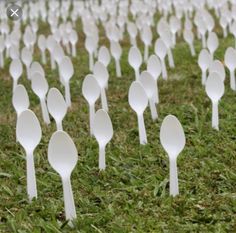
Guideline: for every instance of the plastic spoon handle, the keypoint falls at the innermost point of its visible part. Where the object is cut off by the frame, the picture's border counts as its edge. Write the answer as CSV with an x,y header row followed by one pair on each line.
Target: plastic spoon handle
x,y
203,41
53,65
163,68
91,117
118,69
232,80
137,74
203,78
28,72
146,51
31,180
91,62
67,93
44,108
153,109
102,158
104,99
1,60
68,199
170,58
142,130
156,94
74,50
14,84
215,116
192,49
44,60
59,126
174,38
174,186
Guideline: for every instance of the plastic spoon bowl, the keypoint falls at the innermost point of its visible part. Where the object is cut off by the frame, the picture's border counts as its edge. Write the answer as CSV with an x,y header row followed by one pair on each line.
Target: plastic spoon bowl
x,y
57,106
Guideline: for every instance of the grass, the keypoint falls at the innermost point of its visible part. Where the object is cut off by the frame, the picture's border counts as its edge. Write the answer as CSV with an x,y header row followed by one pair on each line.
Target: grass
x,y
132,195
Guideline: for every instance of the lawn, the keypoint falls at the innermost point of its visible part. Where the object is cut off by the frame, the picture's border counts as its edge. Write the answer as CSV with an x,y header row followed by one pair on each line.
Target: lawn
x,y
132,194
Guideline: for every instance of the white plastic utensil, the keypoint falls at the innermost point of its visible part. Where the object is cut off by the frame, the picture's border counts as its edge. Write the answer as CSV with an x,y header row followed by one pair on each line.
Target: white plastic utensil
x,y
73,40
116,52
154,68
204,61
67,71
20,100
101,74
42,44
63,157
146,35
215,90
161,51
91,92
27,58
135,60
39,85
28,132
90,46
173,140
149,84
230,62
103,132
15,70
138,101
57,106
189,38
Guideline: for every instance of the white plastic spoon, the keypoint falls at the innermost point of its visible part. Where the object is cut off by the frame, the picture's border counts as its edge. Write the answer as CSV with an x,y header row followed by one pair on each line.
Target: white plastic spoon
x,y
161,51
215,90
28,132
138,101
63,157
135,60
154,68
230,61
39,85
67,71
173,140
149,84
26,57
103,132
91,92
15,70
204,61
101,74
116,52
